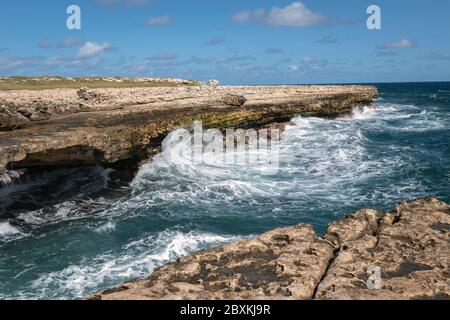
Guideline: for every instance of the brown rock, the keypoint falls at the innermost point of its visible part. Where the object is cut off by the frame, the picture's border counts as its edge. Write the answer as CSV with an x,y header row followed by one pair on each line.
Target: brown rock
x,y
410,246
213,83
10,120
363,222
106,126
88,94
234,100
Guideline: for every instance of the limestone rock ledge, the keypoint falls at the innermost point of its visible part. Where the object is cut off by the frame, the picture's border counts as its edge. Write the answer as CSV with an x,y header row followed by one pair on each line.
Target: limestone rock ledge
x,y
60,127
410,246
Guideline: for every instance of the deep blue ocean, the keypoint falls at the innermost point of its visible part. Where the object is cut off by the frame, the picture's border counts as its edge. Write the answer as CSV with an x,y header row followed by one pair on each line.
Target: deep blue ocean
x,y
397,149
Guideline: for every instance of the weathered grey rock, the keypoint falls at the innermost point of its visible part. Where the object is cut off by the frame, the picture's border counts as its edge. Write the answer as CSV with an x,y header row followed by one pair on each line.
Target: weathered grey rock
x,y
35,113
88,94
234,100
213,83
411,248
363,222
10,119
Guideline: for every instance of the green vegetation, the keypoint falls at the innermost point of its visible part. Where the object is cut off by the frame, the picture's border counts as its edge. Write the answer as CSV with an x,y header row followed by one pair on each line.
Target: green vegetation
x,y
40,83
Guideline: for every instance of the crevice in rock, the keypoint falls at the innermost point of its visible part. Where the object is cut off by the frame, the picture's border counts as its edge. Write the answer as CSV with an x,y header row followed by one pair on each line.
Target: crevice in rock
x,y
376,233
330,263
342,246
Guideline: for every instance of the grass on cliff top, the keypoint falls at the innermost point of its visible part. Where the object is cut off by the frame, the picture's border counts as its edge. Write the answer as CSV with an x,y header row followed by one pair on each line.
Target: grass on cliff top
x,y
40,83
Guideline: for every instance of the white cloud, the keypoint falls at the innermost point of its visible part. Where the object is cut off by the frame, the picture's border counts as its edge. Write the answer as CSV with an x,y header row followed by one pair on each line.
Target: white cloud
x,y
90,49
294,67
159,21
242,16
247,15
401,44
294,15
35,65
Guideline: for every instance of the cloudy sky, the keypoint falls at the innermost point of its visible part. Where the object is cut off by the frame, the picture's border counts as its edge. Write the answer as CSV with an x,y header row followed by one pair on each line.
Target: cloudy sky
x,y
236,41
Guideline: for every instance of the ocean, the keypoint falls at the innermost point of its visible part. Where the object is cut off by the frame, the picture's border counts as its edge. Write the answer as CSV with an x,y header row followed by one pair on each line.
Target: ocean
x,y
100,234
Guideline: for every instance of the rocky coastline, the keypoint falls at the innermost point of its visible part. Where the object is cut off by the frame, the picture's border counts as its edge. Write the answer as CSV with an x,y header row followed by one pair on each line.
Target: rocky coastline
x,y
112,126
403,254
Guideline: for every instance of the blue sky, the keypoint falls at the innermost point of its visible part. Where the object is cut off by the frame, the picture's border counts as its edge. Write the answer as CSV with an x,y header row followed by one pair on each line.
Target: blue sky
x,y
235,41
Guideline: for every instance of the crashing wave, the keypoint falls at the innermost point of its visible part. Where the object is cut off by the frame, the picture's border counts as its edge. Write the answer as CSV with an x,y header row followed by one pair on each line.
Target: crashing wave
x,y
135,259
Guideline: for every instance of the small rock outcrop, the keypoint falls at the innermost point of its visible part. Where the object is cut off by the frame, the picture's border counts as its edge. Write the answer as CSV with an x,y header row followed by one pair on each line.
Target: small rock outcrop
x,y
234,100
11,120
213,83
87,94
409,249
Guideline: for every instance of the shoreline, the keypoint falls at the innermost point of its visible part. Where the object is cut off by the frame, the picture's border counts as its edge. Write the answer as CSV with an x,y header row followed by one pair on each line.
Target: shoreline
x,y
334,265
120,127
403,254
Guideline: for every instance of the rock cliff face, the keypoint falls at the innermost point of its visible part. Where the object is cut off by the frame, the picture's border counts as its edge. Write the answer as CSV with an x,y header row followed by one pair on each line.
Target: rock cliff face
x,y
106,126
409,247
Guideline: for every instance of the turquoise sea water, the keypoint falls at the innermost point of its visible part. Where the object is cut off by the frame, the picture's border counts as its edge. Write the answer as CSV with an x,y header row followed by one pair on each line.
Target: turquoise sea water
x,y
397,150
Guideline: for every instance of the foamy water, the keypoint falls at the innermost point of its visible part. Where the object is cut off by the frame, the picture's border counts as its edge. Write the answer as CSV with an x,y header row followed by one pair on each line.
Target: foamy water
x,y
136,259
375,157
8,232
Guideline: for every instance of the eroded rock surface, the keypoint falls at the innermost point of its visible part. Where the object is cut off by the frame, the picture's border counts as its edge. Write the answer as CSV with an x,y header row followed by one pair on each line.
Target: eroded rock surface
x,y
106,126
285,263
410,246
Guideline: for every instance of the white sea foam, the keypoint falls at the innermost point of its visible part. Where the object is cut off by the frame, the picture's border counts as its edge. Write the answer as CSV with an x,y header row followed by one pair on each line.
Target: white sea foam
x,y
9,176
7,231
65,211
136,259
318,156
363,113
106,227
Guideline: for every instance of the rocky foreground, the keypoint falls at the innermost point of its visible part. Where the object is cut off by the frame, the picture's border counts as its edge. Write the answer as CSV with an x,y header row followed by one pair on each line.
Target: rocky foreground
x,y
409,247
61,127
